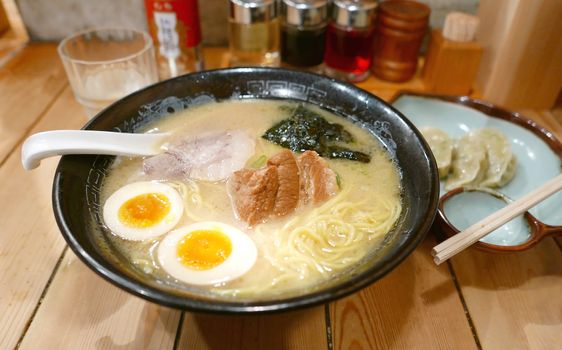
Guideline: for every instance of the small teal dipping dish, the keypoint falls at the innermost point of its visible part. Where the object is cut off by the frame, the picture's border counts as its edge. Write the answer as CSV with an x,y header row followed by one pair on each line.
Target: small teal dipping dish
x,y
539,159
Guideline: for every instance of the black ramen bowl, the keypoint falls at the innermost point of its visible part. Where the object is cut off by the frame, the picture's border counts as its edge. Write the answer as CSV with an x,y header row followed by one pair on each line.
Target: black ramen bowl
x,y
78,179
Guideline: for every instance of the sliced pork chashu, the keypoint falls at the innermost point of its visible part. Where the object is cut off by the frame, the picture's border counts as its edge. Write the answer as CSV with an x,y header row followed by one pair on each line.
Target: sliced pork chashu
x,y
292,181
319,182
287,197
208,157
253,193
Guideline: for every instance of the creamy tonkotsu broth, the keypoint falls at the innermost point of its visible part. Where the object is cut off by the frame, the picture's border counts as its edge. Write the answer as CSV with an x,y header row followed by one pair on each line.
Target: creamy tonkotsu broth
x,y
296,252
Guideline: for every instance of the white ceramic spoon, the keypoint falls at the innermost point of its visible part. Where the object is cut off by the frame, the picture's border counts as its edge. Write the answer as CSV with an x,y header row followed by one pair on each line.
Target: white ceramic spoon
x,y
61,142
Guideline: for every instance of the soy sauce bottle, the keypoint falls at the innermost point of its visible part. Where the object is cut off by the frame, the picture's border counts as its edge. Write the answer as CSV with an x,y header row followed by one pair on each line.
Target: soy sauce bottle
x,y
303,33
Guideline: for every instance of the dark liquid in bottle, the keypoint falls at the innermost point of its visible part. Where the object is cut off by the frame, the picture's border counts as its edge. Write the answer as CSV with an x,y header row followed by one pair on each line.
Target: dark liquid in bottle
x,y
302,47
349,50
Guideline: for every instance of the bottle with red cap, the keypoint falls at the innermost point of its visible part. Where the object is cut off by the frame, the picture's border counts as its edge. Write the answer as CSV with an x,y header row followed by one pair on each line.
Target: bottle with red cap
x,y
349,39
175,29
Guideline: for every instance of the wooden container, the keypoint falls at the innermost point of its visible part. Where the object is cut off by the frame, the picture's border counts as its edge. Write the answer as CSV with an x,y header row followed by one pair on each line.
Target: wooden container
x,y
450,66
4,23
401,26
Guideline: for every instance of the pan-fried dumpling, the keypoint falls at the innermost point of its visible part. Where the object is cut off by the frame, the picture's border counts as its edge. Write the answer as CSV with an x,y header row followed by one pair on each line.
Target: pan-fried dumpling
x,y
469,164
442,147
501,161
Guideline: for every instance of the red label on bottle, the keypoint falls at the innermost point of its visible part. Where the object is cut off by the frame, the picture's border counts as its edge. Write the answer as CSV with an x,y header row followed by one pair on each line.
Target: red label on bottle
x,y
174,23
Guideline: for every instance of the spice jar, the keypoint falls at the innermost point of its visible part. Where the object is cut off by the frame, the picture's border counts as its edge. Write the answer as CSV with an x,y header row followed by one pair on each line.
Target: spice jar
x,y
303,32
254,33
349,39
401,26
174,27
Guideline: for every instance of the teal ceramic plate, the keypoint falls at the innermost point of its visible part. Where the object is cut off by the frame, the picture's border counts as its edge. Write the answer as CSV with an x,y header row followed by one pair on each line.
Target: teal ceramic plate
x,y
538,153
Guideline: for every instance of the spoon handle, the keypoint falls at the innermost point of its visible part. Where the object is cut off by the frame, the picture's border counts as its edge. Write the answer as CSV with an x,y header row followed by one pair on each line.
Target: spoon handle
x,y
464,239
61,142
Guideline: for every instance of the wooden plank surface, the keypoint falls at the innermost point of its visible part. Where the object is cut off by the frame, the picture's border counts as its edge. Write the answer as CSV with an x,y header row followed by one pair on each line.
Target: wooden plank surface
x,y
83,311
293,330
30,244
515,300
30,241
416,306
29,82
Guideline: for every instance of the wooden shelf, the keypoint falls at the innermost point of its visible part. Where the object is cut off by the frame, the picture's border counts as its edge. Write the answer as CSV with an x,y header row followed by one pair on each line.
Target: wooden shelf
x,y
218,57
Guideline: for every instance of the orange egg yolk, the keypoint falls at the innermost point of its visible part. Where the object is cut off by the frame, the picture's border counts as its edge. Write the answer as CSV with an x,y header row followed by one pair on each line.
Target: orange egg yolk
x,y
144,210
204,249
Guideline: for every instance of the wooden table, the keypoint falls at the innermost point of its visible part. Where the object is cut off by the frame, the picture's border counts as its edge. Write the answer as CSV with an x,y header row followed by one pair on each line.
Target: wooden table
x,y
50,300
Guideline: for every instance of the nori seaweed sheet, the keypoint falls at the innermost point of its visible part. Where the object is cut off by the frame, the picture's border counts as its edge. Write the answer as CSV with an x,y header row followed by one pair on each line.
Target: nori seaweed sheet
x,y
306,130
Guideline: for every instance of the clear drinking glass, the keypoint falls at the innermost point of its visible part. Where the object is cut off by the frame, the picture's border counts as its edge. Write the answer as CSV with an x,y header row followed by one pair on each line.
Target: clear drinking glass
x,y
106,64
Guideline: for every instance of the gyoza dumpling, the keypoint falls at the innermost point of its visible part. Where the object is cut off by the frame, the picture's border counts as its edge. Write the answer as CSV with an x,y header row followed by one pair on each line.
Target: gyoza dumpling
x,y
501,161
469,164
442,147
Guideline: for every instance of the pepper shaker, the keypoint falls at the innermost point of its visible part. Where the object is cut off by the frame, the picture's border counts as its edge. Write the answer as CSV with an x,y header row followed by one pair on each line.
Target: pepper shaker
x,y
303,32
254,33
349,39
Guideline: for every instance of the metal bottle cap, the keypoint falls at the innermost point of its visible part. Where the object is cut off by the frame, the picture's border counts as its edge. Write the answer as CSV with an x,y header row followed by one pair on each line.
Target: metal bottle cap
x,y
304,12
354,13
252,11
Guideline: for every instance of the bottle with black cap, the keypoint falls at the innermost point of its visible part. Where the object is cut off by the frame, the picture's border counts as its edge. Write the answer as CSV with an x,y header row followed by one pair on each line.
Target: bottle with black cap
x,y
349,39
254,33
303,32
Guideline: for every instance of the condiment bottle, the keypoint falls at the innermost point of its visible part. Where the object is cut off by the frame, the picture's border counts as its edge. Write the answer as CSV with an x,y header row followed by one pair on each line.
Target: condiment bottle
x,y
254,33
401,26
303,32
175,29
349,39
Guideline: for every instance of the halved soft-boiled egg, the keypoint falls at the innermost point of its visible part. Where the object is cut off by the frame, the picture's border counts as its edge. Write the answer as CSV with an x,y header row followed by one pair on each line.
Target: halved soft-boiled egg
x,y
207,253
143,210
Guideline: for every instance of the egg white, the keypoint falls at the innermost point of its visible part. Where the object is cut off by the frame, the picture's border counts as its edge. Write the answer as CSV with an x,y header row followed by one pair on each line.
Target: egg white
x,y
119,197
242,258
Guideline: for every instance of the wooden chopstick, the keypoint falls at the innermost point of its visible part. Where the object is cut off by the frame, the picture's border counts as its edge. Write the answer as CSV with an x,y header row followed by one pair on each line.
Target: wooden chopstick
x,y
464,239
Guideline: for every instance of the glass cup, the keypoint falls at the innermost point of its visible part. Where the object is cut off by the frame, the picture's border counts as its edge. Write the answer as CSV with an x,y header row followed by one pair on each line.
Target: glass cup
x,y
106,64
